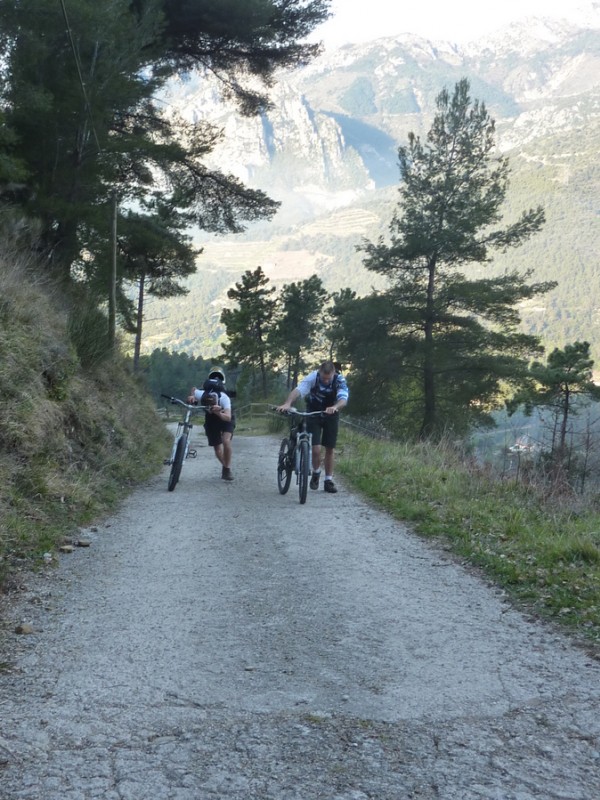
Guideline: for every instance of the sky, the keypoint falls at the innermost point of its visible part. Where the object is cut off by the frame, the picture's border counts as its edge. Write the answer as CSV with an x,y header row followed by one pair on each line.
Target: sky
x,y
458,21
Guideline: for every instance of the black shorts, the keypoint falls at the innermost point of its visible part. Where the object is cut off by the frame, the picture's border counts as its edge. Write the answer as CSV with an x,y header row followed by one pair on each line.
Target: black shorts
x,y
324,429
215,428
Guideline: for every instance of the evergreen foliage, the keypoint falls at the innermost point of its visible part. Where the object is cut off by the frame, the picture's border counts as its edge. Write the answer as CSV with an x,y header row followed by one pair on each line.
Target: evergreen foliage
x,y
248,326
233,38
155,256
299,325
449,342
166,372
558,385
82,127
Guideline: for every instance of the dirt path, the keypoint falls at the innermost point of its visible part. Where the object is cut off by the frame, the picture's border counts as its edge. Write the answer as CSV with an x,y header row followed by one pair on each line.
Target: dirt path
x,y
222,641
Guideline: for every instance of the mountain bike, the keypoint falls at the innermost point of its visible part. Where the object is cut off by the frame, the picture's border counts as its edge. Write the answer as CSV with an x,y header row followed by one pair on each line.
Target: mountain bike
x,y
295,453
181,443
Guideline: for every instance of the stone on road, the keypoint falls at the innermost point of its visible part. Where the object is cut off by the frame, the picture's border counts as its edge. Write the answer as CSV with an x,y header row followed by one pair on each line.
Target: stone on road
x,y
224,641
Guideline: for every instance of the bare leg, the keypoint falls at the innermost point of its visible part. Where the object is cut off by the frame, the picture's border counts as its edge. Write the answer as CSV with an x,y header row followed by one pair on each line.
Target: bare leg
x,y
219,453
226,450
316,457
329,461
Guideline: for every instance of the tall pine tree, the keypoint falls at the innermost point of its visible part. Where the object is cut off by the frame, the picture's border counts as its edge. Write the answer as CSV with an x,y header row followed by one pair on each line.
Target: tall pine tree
x,y
452,338
301,320
248,326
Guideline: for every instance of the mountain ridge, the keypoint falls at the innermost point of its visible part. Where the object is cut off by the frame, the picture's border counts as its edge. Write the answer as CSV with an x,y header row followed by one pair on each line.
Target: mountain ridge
x,y
329,143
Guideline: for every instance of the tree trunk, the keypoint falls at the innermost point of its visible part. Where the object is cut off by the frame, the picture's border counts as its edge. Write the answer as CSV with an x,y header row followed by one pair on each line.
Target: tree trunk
x,y
295,371
563,425
139,323
60,248
112,289
429,409
263,374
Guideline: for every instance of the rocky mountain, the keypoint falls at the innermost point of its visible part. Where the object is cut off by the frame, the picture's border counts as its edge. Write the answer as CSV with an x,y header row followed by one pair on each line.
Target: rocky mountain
x,y
327,151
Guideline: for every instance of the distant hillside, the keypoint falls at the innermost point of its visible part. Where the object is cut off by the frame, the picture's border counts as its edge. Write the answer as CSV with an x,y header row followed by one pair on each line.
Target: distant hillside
x,y
327,151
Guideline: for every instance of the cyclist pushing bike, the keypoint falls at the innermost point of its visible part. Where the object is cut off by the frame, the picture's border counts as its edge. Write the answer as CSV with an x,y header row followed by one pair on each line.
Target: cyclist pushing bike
x,y
324,390
218,422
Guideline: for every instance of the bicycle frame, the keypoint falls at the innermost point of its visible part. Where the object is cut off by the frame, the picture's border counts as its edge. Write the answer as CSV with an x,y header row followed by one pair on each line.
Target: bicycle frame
x,y
299,434
183,425
295,453
181,443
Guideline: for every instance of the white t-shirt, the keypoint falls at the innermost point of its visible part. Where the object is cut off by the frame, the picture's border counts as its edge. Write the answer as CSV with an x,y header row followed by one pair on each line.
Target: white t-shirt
x,y
223,400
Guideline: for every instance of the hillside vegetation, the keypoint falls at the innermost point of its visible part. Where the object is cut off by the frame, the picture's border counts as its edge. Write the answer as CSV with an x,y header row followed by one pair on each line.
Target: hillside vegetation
x,y
77,430
542,549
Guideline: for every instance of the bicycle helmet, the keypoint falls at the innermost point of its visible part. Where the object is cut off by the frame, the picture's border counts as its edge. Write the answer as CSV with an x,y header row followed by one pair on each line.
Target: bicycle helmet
x,y
217,373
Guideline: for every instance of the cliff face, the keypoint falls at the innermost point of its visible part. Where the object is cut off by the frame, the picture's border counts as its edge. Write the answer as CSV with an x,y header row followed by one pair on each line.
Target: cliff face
x,y
334,126
327,149
294,152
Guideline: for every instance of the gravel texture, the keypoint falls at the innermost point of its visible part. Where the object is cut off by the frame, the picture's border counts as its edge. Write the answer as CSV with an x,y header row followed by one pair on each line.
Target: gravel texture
x,y
223,641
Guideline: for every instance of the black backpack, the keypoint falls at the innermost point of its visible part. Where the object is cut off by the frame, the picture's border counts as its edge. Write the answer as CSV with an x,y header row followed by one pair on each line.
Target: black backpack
x,y
315,402
214,384
212,388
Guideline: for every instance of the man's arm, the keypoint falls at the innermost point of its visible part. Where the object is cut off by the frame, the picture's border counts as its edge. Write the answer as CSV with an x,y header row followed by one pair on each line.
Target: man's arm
x,y
292,396
337,406
222,409
341,397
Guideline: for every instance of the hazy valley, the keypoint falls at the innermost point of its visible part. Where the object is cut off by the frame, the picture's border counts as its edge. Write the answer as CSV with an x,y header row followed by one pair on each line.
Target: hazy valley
x,y
327,151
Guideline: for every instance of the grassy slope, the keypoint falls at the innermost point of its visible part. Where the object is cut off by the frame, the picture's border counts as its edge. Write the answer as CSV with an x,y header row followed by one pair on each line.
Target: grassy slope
x,y
545,552
72,441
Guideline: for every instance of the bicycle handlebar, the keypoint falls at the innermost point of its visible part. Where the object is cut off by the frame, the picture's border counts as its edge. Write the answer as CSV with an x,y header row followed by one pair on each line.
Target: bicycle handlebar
x,y
294,412
177,401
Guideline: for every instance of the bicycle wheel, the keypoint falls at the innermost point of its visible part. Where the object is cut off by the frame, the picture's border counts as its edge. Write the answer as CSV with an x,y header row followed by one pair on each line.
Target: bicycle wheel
x,y
177,462
304,470
284,466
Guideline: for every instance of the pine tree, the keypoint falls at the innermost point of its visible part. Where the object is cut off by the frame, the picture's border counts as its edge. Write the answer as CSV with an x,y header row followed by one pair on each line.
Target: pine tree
x,y
452,336
155,258
301,314
558,385
248,326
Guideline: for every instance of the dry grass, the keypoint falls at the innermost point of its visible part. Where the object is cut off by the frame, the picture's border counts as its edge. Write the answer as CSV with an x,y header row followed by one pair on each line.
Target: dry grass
x,y
545,554
72,440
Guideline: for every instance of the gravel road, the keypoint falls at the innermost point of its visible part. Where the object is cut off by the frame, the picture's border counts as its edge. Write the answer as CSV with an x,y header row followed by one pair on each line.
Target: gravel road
x,y
223,641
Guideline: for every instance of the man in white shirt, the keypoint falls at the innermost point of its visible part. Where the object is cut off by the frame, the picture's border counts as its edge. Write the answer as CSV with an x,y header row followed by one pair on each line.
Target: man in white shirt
x,y
325,390
218,419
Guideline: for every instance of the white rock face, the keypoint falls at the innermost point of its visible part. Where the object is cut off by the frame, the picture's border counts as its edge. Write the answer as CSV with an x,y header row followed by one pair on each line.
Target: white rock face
x,y
333,129
327,148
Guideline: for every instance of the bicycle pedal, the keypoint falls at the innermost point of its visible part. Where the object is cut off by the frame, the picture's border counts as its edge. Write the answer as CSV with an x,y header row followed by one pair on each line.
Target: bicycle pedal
x,y
167,461
192,454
